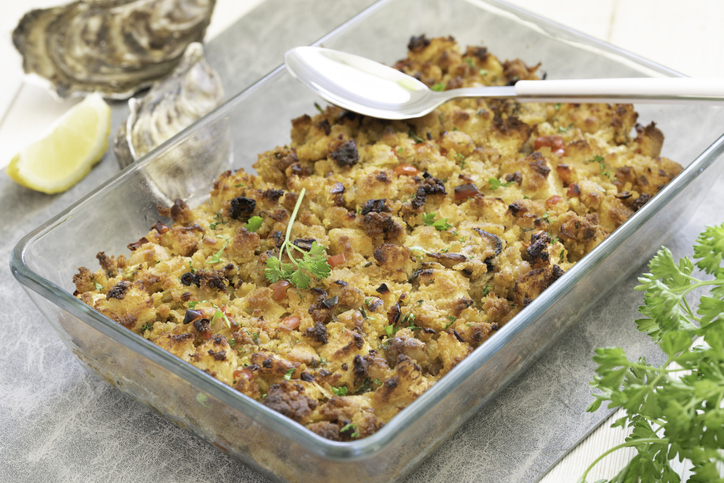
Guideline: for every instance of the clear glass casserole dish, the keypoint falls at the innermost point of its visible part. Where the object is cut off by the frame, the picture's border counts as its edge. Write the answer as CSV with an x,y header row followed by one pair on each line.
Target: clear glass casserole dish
x,y
257,120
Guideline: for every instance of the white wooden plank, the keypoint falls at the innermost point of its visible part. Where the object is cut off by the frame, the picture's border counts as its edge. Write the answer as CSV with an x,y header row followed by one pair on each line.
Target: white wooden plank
x,y
683,36
592,18
575,463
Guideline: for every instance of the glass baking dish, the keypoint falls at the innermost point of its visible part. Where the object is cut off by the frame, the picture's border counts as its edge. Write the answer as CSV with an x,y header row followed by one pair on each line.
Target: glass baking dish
x,y
123,209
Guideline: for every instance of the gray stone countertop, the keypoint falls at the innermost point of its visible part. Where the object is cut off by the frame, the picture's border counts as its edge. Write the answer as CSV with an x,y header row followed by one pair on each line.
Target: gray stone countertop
x,y
60,423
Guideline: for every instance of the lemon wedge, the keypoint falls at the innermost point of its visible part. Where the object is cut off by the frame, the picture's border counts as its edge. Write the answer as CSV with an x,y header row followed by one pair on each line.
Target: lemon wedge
x,y
66,155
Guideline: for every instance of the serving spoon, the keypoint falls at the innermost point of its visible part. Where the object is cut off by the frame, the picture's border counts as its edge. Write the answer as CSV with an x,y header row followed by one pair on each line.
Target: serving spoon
x,y
367,87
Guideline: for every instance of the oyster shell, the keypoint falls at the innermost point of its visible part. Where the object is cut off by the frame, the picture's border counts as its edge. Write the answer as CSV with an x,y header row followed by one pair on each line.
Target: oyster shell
x,y
192,90
113,47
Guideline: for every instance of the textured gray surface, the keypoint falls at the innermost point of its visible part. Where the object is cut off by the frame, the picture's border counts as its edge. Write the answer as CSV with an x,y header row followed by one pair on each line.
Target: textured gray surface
x,y
60,423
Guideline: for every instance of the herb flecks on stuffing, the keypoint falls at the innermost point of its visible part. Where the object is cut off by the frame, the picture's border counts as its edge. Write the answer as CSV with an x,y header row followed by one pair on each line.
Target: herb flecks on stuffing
x,y
414,241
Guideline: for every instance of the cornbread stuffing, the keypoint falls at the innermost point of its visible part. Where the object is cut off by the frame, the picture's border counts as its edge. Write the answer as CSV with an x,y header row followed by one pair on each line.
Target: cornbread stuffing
x,y
410,243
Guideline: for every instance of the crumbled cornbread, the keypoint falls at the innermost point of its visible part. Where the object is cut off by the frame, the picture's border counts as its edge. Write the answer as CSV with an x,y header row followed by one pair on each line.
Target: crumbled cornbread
x,y
438,231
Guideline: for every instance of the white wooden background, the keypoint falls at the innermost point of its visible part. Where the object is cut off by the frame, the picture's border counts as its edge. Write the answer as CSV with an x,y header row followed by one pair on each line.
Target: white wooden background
x,y
686,36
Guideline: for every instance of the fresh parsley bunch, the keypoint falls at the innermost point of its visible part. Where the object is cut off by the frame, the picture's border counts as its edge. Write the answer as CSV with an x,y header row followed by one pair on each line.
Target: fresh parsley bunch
x,y
314,261
672,417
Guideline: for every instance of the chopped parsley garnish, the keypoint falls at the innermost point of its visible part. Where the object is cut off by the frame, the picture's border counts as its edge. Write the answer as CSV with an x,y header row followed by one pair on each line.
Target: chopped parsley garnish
x,y
460,160
565,129
416,248
547,218
240,185
439,87
495,183
220,314
600,160
483,72
349,426
339,391
558,105
470,62
254,223
452,321
232,342
314,261
595,159
367,386
415,137
563,252
364,313
319,108
99,287
191,268
323,361
401,150
217,256
289,373
390,330
147,326
440,225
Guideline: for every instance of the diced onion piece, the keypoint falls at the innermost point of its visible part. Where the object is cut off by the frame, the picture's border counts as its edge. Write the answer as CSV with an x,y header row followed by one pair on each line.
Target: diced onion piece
x,y
573,190
465,191
554,142
553,200
280,289
406,170
289,323
335,260
245,372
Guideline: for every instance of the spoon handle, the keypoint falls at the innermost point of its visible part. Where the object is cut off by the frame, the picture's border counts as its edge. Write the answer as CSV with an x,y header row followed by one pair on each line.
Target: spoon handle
x,y
655,90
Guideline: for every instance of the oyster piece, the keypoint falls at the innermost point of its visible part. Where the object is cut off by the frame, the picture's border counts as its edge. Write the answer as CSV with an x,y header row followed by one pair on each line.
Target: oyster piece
x,y
113,47
192,90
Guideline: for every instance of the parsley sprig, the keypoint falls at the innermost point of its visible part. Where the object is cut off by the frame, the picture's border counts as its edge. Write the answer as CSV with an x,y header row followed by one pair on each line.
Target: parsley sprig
x,y
675,410
314,261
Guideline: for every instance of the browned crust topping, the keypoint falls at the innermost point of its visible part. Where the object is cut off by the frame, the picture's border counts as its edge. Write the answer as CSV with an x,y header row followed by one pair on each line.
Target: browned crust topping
x,y
118,291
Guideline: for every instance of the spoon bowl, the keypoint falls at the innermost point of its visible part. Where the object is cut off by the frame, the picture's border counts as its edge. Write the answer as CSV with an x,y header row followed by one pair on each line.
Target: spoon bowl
x,y
367,87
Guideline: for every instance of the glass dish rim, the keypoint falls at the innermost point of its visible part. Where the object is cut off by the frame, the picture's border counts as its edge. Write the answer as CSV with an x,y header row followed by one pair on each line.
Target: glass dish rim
x,y
371,445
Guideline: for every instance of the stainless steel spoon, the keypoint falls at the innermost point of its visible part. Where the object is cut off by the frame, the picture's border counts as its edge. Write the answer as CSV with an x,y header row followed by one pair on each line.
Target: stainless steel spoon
x,y
368,87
